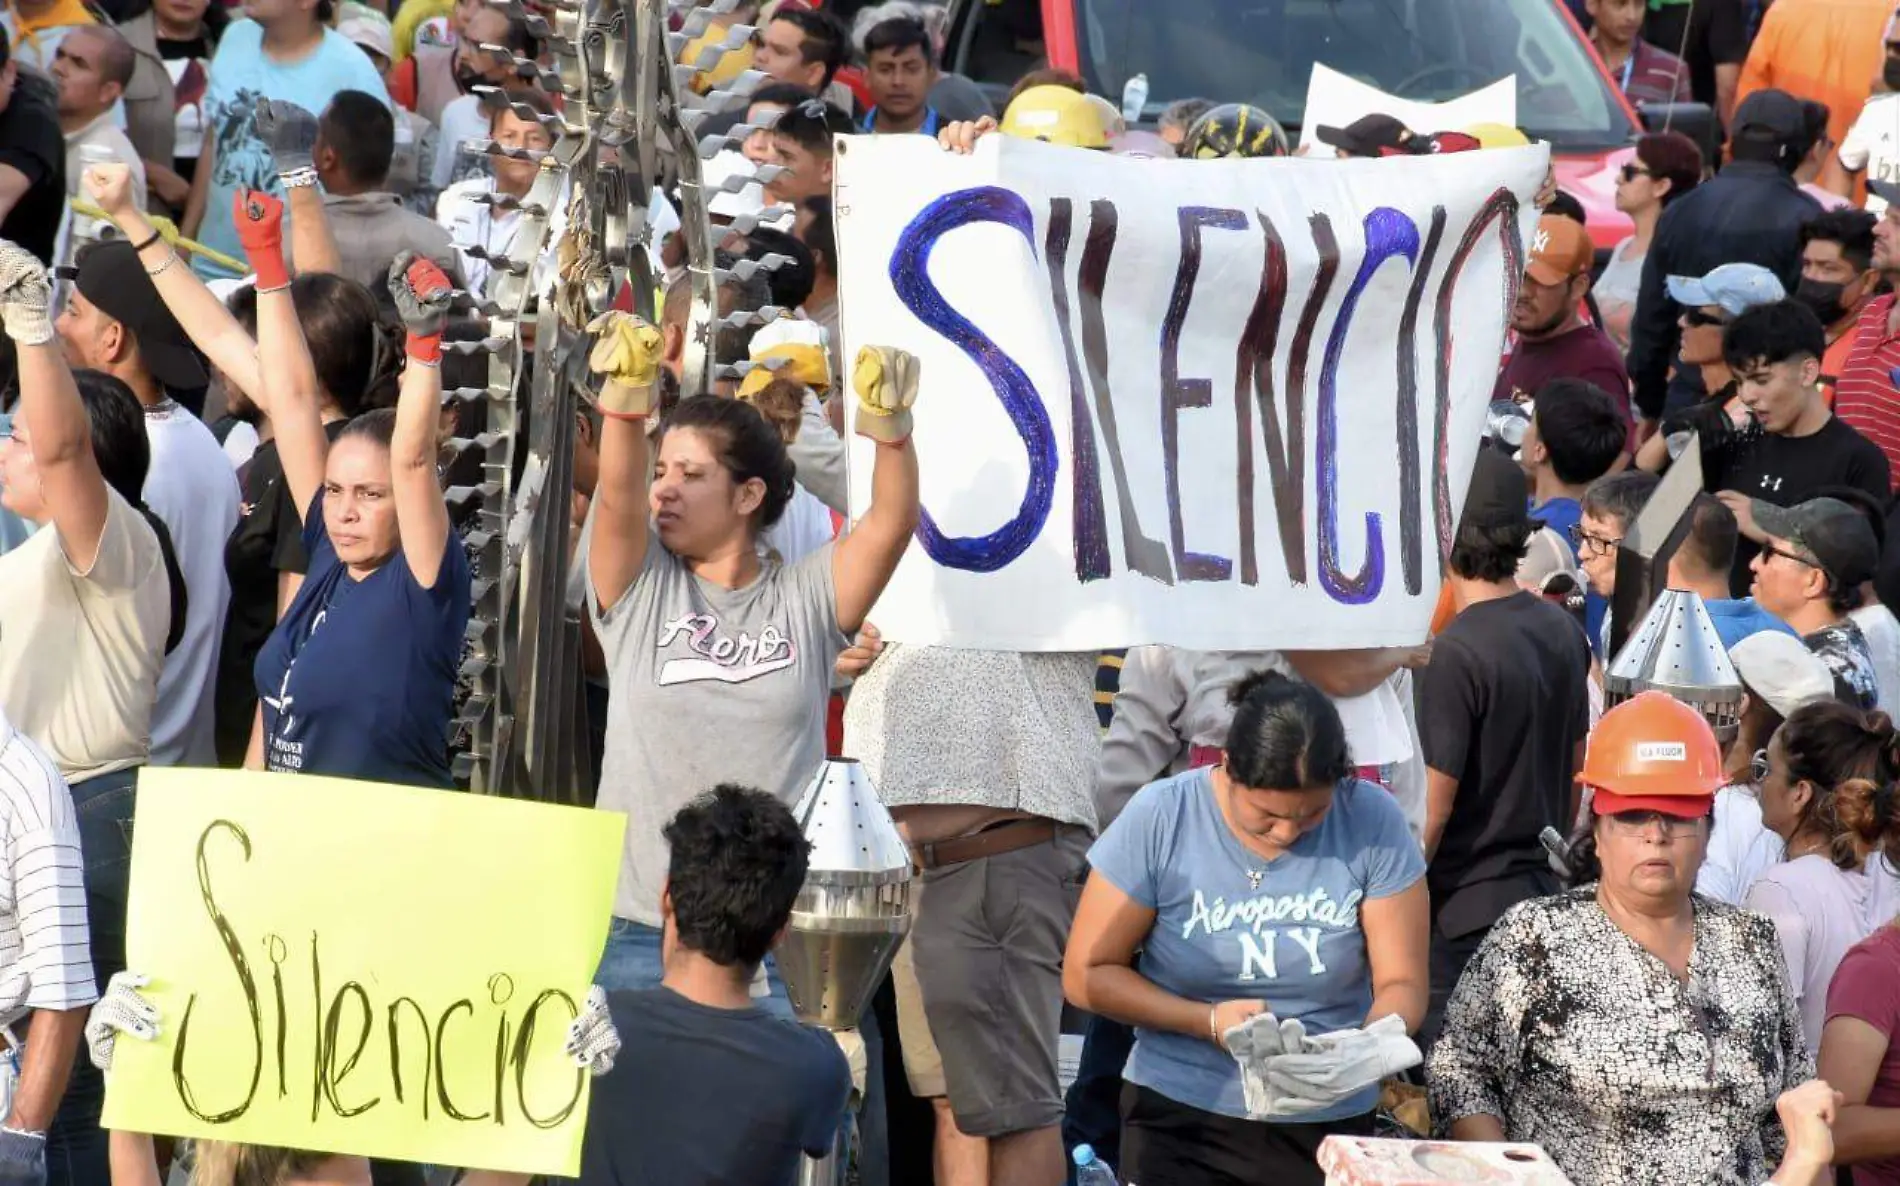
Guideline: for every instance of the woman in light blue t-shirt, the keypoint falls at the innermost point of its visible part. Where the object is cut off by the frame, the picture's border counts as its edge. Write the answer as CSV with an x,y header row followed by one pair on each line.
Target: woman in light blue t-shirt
x,y
1276,882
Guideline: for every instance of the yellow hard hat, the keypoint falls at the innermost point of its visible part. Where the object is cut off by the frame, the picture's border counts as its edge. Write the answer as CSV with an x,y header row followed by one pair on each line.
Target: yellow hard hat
x,y
1497,136
1058,115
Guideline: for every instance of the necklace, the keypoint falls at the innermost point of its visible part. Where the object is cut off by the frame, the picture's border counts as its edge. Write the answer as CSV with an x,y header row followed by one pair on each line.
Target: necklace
x,y
1254,876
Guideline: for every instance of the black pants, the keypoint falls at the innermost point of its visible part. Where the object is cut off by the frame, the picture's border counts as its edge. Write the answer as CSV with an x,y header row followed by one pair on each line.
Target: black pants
x,y
1165,1143
1448,959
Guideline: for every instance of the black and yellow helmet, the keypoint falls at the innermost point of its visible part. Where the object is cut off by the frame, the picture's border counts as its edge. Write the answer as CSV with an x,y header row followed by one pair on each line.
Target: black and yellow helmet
x,y
1234,129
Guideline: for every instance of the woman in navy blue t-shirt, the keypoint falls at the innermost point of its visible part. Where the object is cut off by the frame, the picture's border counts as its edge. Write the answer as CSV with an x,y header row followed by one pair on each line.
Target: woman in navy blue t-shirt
x,y
358,678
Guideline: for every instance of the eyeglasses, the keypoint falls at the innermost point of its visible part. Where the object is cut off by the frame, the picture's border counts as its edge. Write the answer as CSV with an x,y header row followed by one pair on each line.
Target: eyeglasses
x,y
1632,172
1771,550
1641,823
1758,767
1707,320
1597,544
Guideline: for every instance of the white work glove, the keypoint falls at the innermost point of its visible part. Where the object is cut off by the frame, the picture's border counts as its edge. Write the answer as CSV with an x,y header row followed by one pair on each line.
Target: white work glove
x,y
1255,1043
1333,1066
26,295
122,1010
592,1040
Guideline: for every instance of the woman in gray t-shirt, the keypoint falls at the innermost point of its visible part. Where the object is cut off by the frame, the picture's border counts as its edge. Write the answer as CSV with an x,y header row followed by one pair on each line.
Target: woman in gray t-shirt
x,y
719,662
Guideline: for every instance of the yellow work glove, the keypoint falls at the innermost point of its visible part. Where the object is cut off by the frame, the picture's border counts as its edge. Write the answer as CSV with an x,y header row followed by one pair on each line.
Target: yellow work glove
x,y
626,354
885,379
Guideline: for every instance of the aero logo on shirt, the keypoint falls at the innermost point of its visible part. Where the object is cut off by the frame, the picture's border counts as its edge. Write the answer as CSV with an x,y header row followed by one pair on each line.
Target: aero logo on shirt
x,y
723,658
1258,953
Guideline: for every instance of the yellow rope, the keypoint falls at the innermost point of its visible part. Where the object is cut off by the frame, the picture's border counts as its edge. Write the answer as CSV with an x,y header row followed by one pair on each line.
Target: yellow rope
x,y
169,231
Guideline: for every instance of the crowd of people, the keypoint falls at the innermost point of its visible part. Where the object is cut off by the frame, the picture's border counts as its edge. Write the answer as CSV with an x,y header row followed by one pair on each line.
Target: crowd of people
x,y
1271,882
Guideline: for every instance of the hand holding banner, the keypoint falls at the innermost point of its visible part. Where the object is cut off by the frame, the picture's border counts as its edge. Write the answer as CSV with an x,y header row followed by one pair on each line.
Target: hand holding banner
x,y
357,968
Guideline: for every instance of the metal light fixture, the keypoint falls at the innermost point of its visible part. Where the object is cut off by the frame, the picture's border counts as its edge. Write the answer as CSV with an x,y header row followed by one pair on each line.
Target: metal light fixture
x,y
1675,650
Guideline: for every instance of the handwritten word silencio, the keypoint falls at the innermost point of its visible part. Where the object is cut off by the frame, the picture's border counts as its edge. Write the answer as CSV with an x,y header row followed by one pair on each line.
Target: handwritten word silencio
x,y
342,1026
1389,234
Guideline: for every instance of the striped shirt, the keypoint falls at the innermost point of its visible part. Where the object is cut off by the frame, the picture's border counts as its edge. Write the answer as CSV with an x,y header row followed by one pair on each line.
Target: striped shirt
x,y
1866,396
42,882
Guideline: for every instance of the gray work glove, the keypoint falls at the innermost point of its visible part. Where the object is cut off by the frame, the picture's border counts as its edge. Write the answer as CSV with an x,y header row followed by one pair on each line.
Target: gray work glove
x,y
26,295
290,132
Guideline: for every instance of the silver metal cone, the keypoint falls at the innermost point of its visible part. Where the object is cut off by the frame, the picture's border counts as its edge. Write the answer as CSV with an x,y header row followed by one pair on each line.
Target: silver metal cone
x,y
1675,650
855,907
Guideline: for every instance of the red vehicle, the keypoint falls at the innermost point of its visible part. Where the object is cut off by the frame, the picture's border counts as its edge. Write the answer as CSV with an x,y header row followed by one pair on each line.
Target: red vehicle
x,y
1263,51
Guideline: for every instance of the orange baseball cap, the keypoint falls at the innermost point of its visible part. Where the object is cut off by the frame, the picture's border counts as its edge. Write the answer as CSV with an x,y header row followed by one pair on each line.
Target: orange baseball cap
x,y
1560,250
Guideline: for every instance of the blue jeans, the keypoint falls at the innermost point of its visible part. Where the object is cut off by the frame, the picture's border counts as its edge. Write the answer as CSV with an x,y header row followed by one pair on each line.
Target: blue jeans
x,y
632,962
1092,1114
75,1144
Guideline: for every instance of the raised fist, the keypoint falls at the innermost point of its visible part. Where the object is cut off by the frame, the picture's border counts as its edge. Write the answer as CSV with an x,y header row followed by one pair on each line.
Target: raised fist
x,y
422,291
885,379
109,184
25,295
627,354
289,131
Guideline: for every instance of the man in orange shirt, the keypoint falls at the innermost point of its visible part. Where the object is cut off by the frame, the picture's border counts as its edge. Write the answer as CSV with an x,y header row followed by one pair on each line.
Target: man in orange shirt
x,y
1826,50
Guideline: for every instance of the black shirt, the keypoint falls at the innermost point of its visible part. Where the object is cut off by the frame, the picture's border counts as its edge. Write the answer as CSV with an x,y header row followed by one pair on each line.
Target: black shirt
x,y
1784,471
1706,34
1749,213
267,540
30,141
1504,705
705,1097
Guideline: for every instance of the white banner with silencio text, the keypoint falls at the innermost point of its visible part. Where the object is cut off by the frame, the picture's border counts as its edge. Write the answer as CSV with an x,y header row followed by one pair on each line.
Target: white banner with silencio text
x,y
1218,404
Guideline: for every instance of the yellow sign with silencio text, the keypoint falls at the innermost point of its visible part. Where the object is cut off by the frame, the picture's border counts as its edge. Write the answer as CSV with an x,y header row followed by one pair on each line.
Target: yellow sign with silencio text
x,y
358,968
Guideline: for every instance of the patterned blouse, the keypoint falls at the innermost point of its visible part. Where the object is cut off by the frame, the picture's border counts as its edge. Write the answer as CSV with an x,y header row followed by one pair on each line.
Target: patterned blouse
x,y
1583,1042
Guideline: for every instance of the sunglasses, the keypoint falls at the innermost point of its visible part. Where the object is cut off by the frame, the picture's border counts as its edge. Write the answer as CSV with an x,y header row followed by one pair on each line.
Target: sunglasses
x,y
1707,320
1772,550
1637,823
1632,172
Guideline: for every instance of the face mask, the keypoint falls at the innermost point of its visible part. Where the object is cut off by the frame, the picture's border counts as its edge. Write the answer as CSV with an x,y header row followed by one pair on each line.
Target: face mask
x,y
1891,73
1824,297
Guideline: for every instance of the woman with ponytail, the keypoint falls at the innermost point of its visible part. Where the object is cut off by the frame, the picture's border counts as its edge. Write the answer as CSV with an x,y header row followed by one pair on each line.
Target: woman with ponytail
x,y
87,608
1823,779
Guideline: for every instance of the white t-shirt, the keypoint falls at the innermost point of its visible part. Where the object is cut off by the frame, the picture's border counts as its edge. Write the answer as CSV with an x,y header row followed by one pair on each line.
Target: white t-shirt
x,y
804,528
240,443
1819,911
1740,848
193,490
80,651
1873,144
1882,630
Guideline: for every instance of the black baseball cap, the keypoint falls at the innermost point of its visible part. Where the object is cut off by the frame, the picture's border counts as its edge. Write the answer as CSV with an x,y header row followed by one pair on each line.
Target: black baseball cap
x,y
1771,115
1497,495
1837,535
1886,191
109,275
1369,135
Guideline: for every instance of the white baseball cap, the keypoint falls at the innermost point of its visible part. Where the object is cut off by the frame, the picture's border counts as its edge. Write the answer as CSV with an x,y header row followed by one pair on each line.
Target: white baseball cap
x,y
369,33
1781,670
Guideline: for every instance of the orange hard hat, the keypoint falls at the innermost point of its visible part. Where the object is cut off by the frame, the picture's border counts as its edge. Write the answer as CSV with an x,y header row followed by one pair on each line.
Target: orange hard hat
x,y
1653,753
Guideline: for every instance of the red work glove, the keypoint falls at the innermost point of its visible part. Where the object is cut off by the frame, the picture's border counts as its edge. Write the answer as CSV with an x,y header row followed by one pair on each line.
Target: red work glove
x,y
422,292
260,227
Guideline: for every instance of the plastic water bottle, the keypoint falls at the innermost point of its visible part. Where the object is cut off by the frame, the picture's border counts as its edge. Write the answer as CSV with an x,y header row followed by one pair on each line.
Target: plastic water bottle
x,y
1091,1170
1135,99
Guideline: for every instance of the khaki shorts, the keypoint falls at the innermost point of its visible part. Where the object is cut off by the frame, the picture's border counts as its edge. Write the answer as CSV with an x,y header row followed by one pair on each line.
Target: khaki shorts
x,y
984,962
